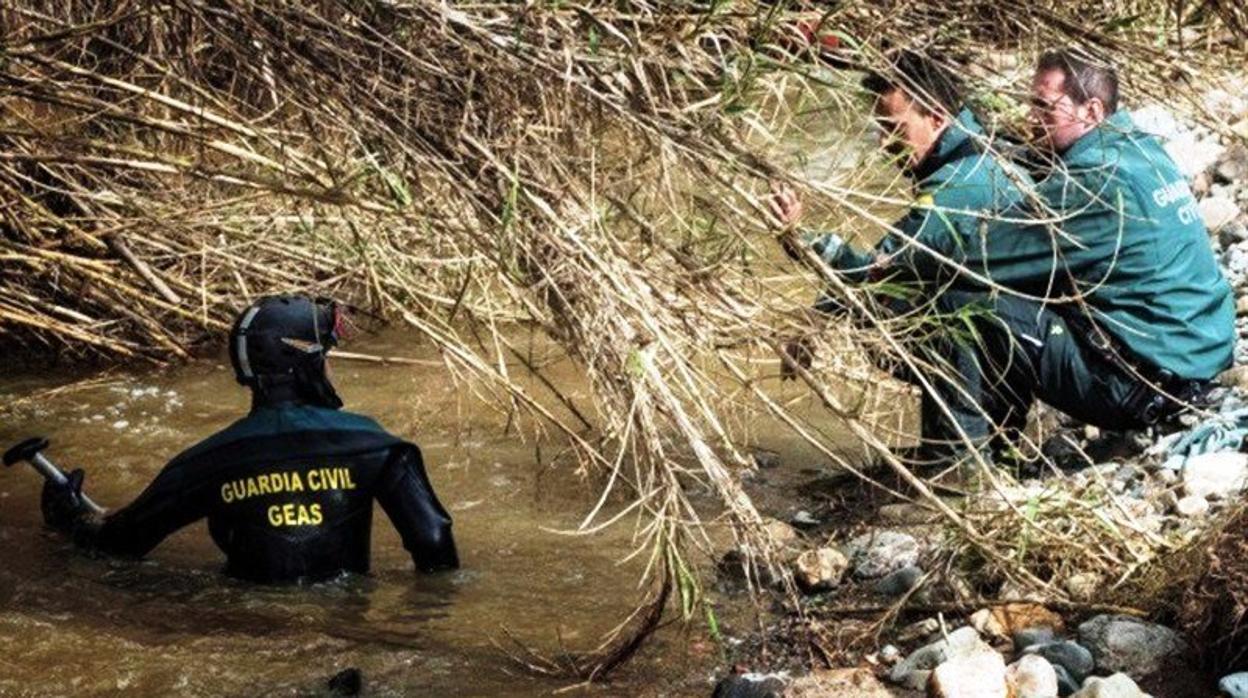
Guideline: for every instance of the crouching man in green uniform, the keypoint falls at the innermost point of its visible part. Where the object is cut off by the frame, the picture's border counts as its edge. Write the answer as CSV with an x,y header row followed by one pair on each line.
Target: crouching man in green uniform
x,y
288,490
959,184
1111,306
1099,294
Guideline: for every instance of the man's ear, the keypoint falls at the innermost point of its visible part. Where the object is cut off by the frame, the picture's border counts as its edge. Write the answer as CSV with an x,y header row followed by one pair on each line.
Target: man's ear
x,y
1096,110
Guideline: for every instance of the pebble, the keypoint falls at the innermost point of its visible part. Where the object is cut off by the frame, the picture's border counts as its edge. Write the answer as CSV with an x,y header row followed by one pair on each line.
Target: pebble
x,y
1234,685
1032,677
918,629
1129,645
1116,686
1076,659
899,582
1192,506
819,570
804,519
889,654
874,555
976,675
1083,586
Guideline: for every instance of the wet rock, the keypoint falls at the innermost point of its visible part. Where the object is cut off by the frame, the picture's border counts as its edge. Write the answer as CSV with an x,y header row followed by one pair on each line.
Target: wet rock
x,y
1191,507
1004,621
1218,212
1234,685
838,683
348,682
819,570
1076,659
1032,677
1129,645
977,675
1066,684
750,686
960,643
1215,475
1028,637
899,582
879,553
1116,686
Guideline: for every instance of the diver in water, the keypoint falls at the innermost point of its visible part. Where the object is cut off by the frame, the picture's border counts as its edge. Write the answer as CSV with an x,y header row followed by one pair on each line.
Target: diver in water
x,y
288,490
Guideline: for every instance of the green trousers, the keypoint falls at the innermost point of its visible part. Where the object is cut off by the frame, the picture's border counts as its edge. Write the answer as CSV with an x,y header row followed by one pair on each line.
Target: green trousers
x,y
1000,353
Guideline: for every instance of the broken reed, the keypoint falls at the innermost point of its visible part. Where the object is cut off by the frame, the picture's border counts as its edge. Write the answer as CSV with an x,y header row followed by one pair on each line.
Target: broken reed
x,y
593,171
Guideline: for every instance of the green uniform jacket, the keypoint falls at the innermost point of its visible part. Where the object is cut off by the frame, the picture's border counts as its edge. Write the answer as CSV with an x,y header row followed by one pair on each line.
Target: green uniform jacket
x,y
956,186
1131,241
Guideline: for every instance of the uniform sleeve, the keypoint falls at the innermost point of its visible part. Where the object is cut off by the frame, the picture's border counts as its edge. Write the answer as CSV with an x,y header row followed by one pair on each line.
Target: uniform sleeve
x,y
174,499
407,497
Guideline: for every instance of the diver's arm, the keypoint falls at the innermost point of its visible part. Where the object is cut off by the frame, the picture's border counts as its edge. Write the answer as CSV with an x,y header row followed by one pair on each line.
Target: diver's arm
x,y
171,501
405,494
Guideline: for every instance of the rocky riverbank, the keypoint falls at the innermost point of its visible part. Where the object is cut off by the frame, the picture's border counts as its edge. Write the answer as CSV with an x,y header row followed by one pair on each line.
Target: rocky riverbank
x,y
1162,489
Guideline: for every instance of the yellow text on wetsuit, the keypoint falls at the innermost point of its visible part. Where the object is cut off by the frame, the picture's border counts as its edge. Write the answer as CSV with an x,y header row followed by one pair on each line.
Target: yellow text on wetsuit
x,y
289,514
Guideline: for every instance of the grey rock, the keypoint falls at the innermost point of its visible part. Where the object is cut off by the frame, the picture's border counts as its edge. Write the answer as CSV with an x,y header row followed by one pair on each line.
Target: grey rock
x,y
1066,684
1234,685
1129,645
879,553
960,642
1191,507
1028,637
749,686
1071,656
889,654
1116,686
899,582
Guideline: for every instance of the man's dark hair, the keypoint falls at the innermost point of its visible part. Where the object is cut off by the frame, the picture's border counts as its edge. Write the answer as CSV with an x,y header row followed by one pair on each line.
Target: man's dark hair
x,y
1084,79
931,85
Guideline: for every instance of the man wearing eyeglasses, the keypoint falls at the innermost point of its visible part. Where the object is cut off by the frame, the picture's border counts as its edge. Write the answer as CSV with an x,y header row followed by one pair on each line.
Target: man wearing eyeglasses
x,y
1101,293
288,490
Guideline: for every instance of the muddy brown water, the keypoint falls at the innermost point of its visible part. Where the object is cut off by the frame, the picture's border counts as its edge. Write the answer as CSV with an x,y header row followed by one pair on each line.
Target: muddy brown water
x,y
172,624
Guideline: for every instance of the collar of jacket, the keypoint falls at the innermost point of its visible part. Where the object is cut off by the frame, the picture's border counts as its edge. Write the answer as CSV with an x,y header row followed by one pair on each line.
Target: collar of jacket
x,y
957,142
1117,126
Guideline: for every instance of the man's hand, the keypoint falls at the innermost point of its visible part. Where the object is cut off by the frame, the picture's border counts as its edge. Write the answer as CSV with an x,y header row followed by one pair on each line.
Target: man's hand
x,y
785,205
62,504
799,352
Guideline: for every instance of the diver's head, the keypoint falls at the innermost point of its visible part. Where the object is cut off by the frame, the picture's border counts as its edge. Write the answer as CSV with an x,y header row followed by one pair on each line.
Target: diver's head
x,y
278,347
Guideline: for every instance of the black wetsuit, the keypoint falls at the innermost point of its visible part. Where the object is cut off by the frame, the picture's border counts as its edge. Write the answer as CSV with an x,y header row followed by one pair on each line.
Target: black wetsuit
x,y
288,492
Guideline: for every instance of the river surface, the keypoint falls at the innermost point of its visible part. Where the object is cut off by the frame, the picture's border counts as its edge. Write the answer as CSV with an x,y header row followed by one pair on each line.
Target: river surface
x,y
172,624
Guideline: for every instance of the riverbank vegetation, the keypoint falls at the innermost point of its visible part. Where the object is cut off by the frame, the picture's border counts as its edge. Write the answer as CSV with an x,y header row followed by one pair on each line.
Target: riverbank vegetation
x,y
595,173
